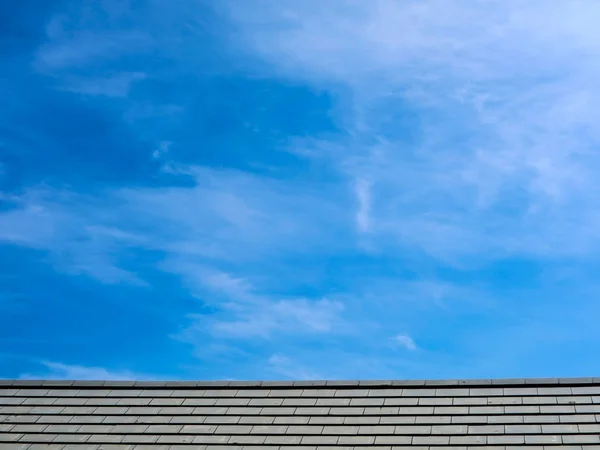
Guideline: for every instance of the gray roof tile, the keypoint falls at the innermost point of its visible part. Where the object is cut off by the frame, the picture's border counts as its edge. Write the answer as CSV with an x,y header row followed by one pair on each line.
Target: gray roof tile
x,y
416,414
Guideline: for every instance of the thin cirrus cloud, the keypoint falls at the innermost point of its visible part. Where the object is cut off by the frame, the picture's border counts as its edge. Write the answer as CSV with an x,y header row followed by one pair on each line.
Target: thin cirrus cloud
x,y
315,176
405,341
52,370
520,176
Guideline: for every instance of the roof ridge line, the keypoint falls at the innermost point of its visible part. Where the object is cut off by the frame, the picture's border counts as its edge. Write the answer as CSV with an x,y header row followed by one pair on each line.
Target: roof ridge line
x,y
337,384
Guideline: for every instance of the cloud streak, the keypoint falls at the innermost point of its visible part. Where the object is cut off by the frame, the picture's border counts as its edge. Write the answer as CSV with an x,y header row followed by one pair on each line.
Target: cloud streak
x,y
519,180
277,178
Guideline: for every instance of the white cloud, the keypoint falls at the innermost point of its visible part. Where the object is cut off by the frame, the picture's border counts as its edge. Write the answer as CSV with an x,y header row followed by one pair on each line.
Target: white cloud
x,y
162,149
405,341
60,371
288,368
502,156
115,85
248,313
363,196
80,48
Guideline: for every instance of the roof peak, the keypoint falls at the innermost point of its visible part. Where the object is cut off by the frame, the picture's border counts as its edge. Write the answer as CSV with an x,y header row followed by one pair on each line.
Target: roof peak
x,y
337,384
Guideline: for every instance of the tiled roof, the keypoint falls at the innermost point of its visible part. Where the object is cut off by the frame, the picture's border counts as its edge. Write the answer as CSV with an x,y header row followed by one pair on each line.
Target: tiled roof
x,y
535,414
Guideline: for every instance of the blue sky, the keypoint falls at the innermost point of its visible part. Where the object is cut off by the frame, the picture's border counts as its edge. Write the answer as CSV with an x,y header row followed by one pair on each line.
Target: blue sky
x,y
298,190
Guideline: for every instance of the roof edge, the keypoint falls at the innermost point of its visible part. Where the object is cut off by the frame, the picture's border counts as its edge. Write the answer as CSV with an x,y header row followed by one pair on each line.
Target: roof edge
x,y
337,384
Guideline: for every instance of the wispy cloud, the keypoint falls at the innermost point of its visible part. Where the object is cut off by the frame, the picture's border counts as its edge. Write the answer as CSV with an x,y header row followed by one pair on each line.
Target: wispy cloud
x,y
114,85
442,162
405,341
286,367
247,313
500,187
59,371
363,196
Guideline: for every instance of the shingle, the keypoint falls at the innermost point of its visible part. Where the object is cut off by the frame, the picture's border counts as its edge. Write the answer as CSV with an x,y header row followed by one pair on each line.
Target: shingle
x,y
164,429
449,429
220,393
452,410
396,401
578,418
418,392
173,439
319,393
543,439
286,393
471,419
305,429
247,439
253,393
376,429
265,402
559,429
283,440
290,420
508,400
430,440
29,428
586,390
541,400
301,411
328,401
554,390
527,409
453,392
434,401
360,420
541,419
201,410
581,439
486,392
393,440
525,429
199,429
557,409
396,420
11,437
319,440
184,420
299,402
506,440
504,419
339,430
412,429
438,420
64,428
520,391
355,392
327,420
354,411
210,439
223,419
40,437
366,401
356,440
264,429
489,409
468,440
416,410
385,393
441,382
486,429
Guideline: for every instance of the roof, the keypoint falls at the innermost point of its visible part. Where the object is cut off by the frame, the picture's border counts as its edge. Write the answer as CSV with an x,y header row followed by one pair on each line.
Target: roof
x,y
301,415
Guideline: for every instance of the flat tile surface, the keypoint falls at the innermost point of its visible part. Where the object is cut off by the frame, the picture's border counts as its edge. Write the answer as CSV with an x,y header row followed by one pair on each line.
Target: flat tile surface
x,y
534,414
